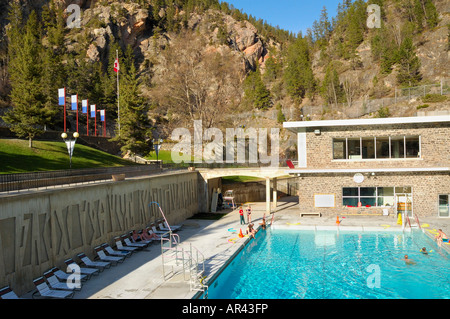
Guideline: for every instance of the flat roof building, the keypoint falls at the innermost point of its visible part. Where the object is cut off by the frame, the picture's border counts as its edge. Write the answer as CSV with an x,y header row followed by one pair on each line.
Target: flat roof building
x,y
377,165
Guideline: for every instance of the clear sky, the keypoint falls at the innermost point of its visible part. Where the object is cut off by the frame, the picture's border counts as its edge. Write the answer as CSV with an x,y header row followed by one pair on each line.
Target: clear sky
x,y
291,15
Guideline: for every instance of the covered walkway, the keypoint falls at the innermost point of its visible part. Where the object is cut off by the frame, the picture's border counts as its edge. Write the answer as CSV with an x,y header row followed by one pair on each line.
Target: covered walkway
x,y
270,174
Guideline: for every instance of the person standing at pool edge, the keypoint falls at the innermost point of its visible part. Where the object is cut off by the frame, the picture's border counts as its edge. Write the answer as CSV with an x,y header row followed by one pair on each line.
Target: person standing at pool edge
x,y
241,214
249,214
441,237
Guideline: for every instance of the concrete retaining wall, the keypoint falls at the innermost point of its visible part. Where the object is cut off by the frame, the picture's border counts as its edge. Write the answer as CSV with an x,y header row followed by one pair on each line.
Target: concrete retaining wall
x,y
39,230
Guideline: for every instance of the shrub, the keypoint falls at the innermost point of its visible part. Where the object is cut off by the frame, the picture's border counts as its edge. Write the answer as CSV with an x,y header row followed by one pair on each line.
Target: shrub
x,y
433,98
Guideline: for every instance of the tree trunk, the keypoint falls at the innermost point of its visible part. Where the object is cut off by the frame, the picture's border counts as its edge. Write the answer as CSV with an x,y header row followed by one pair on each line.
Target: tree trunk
x,y
30,142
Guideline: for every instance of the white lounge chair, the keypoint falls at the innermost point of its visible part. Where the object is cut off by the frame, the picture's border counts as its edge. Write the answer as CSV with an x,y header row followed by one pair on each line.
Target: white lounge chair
x,y
54,283
103,257
140,241
129,243
84,271
67,276
173,227
112,252
157,232
150,232
163,225
120,246
44,291
7,293
93,264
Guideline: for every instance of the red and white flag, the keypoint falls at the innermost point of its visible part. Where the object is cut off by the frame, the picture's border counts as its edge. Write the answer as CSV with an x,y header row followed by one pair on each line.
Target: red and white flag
x,y
116,65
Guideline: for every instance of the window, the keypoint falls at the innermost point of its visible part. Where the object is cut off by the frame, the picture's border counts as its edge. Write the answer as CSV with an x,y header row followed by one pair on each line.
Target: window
x,y
339,148
412,145
385,196
397,147
382,147
444,208
371,196
376,147
368,147
354,148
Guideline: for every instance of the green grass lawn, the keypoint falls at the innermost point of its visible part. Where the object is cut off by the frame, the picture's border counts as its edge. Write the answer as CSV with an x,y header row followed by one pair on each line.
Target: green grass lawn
x,y
165,156
17,157
240,179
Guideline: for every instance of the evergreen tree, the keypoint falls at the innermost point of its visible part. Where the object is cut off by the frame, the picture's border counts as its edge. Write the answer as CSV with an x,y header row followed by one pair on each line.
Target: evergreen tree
x,y
280,116
274,66
135,128
409,70
28,116
255,91
109,80
54,72
298,75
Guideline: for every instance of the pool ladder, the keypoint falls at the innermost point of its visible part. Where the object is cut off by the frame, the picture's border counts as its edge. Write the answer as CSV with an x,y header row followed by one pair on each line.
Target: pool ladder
x,y
417,224
190,258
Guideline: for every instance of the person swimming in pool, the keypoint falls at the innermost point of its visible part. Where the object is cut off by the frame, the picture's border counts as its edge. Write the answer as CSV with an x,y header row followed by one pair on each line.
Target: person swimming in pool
x,y
409,261
424,251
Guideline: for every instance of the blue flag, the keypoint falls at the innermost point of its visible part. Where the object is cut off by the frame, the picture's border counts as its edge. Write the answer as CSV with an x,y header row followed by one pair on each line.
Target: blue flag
x,y
61,96
84,106
93,110
74,100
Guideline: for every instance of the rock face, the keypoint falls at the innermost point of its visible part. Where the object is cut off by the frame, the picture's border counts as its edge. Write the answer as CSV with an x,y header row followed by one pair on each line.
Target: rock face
x,y
130,23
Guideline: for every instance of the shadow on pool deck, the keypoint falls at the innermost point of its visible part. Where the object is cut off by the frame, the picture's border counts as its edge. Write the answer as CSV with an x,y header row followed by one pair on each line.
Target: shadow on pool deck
x,y
141,275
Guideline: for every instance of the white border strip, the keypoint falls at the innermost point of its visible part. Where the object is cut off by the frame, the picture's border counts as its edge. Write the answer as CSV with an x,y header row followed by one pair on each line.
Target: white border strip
x,y
369,170
371,121
339,228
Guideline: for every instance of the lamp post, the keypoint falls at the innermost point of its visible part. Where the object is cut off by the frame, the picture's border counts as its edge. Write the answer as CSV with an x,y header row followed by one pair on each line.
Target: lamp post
x,y
157,145
70,144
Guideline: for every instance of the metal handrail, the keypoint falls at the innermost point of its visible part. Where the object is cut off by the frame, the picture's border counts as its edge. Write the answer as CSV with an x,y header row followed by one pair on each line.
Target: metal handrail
x,y
417,220
31,180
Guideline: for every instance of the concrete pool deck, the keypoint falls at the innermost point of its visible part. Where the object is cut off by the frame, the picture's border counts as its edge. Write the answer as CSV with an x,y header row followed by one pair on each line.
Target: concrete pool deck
x,y
141,275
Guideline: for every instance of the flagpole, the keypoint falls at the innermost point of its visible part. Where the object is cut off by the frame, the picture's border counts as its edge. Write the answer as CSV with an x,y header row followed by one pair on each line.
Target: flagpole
x,y
64,109
95,120
118,94
77,112
87,117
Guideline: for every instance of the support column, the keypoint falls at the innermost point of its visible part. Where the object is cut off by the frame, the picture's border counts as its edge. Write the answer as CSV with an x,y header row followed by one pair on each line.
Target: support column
x,y
267,195
275,195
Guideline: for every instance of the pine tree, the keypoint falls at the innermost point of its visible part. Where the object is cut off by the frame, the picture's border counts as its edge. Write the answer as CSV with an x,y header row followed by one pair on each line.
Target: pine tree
x,y
298,75
135,128
280,116
255,91
409,71
52,56
28,116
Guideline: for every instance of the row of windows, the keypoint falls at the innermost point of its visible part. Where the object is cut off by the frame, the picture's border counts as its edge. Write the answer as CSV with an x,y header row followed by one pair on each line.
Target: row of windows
x,y
371,196
376,147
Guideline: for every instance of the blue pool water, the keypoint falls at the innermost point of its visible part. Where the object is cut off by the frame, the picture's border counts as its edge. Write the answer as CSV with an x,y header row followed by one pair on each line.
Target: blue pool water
x,y
293,264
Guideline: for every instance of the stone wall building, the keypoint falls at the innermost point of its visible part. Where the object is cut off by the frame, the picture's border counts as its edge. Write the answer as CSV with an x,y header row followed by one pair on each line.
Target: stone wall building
x,y
374,166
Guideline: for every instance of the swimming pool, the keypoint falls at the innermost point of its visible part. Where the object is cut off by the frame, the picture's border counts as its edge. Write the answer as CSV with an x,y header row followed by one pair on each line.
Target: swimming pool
x,y
294,264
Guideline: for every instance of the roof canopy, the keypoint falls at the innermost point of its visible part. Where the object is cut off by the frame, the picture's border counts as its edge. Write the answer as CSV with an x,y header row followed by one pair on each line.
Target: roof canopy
x,y
295,126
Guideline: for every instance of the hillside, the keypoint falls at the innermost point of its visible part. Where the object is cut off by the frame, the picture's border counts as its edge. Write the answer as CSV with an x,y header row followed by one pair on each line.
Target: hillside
x,y
203,59
17,157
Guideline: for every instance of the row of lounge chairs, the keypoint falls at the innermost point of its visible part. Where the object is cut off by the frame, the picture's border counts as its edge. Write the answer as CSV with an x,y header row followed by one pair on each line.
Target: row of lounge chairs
x,y
56,283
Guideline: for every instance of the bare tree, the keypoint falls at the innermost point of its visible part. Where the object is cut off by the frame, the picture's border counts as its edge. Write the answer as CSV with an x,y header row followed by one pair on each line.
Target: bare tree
x,y
197,82
350,88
